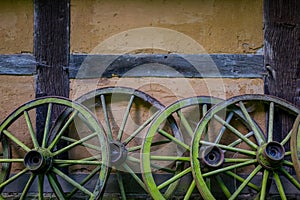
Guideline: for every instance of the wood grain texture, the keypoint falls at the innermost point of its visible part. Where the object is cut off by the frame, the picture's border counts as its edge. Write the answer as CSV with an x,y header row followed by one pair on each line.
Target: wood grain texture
x,y
159,65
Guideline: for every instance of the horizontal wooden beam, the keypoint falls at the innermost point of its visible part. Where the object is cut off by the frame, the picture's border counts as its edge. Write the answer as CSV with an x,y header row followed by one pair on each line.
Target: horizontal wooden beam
x,y
17,64
145,65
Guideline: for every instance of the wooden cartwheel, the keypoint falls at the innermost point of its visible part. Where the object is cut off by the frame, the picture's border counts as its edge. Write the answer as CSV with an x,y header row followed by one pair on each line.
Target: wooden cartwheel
x,y
254,163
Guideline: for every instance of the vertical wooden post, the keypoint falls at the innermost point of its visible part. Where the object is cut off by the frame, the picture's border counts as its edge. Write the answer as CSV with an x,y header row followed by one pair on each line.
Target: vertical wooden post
x,y
282,53
51,50
282,48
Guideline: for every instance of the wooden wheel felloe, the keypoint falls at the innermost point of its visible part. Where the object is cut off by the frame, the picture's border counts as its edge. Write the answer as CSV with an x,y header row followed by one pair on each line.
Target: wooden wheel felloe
x,y
35,168
250,158
126,114
295,146
165,153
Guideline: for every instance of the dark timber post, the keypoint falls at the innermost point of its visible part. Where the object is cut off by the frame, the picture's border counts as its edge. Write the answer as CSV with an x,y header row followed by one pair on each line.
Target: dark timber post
x,y
282,48
282,51
51,51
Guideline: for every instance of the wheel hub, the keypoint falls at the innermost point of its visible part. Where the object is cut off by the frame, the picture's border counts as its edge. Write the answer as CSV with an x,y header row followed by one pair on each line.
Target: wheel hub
x,y
212,157
270,155
118,153
38,161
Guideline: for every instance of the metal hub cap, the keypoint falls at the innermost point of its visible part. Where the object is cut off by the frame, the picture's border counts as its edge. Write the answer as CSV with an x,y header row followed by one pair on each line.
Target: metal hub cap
x,y
118,153
38,161
271,155
212,157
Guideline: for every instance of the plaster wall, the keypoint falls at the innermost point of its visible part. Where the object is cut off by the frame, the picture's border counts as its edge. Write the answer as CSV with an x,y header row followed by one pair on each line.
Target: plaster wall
x,y
219,26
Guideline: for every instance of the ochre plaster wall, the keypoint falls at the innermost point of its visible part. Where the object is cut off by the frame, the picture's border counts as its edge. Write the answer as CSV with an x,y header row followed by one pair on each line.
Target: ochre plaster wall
x,y
169,90
15,91
219,26
16,26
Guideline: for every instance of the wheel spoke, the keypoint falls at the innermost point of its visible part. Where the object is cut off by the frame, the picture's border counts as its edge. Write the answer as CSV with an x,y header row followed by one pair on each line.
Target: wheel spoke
x,y
236,132
40,186
103,102
27,186
238,141
75,143
279,185
271,121
121,185
64,163
288,163
288,153
236,160
133,159
47,125
233,149
245,183
121,130
290,178
258,134
223,186
85,180
30,128
240,179
221,170
90,146
204,109
264,185
64,128
170,158
185,123
55,186
175,140
174,178
165,169
190,190
136,178
11,160
139,147
16,140
72,182
137,131
287,138
11,179
223,129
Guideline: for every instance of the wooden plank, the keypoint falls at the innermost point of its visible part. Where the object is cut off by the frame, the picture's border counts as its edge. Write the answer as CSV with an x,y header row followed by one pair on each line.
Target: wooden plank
x,y
171,65
224,65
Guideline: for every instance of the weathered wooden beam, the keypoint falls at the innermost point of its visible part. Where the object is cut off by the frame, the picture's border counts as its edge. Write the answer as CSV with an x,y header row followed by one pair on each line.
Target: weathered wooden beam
x,y
51,52
51,46
282,48
171,65
281,56
17,64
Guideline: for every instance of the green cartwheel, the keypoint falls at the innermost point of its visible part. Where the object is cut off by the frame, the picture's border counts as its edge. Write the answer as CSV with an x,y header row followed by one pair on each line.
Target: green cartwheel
x,y
254,152
69,160
126,115
165,153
